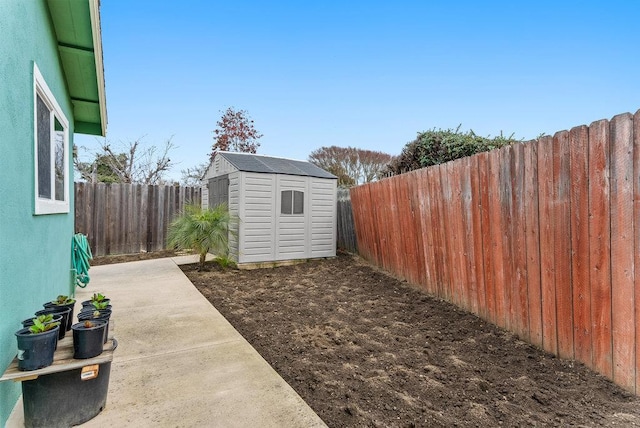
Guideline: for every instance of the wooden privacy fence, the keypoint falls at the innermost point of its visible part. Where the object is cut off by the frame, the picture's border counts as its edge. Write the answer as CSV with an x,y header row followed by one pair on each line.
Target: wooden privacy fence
x,y
128,218
346,229
541,238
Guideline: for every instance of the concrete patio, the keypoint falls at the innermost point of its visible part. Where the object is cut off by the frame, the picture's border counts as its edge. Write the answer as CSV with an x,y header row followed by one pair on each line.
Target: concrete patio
x,y
179,363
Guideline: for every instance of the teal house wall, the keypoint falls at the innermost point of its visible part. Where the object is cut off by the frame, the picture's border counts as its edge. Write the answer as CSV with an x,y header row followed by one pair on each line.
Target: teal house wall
x,y
35,250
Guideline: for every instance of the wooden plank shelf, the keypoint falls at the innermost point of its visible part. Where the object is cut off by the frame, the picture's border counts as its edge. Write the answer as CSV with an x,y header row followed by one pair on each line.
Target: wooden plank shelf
x,y
62,361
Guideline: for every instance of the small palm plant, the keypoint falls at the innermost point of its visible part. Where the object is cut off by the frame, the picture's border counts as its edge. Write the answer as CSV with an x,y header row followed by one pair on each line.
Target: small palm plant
x,y
202,230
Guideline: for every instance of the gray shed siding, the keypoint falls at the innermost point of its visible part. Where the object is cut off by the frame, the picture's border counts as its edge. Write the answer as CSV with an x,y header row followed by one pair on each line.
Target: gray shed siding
x,y
234,210
264,233
256,217
323,217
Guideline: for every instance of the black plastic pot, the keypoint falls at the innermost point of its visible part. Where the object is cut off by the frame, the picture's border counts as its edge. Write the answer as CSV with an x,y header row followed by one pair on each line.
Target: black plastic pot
x,y
68,305
88,341
56,318
66,317
35,351
65,398
103,315
90,303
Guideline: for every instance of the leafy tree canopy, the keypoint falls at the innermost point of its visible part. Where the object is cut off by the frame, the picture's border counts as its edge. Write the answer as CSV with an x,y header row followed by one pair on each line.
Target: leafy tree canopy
x,y
235,132
439,146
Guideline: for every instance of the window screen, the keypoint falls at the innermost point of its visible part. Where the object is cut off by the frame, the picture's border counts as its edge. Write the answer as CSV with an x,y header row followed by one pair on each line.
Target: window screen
x,y
298,202
292,202
44,149
59,160
286,202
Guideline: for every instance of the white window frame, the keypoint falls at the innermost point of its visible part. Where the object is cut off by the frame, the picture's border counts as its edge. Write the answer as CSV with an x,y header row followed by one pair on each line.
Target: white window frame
x,y
50,205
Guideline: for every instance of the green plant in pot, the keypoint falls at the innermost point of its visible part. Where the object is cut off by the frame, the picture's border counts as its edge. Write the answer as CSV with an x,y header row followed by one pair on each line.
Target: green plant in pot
x,y
96,306
63,301
63,311
88,338
97,298
48,318
36,344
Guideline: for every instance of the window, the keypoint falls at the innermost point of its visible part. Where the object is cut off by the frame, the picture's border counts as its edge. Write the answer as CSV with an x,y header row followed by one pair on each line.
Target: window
x,y
292,202
51,131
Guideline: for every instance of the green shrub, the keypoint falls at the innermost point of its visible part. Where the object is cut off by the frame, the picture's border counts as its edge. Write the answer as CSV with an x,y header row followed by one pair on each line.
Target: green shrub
x,y
435,147
202,230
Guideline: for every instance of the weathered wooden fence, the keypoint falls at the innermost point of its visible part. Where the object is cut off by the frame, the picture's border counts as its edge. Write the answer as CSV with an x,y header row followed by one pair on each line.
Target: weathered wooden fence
x,y
540,238
128,218
346,229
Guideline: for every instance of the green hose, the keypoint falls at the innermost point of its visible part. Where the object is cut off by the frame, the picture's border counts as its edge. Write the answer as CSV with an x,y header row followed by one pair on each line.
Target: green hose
x,y
81,256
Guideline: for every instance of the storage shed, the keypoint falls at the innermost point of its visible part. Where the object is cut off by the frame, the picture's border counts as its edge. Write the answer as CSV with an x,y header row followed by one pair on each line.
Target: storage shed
x,y
286,208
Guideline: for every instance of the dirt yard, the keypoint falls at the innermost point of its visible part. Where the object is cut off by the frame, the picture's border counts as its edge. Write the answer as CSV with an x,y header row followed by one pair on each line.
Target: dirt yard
x,y
363,349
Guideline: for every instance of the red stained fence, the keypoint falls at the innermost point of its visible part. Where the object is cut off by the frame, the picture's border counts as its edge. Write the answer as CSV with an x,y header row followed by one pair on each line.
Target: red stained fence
x,y
541,238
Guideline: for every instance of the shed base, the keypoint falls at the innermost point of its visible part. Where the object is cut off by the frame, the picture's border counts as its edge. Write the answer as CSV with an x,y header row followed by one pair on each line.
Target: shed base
x,y
266,265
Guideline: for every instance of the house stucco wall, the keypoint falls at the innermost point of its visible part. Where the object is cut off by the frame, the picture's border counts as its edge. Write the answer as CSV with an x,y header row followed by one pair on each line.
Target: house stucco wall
x,y
35,259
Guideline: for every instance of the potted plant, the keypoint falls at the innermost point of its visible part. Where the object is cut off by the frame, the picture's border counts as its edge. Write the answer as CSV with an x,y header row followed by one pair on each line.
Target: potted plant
x,y
97,315
47,319
63,301
88,338
96,298
96,305
36,344
64,311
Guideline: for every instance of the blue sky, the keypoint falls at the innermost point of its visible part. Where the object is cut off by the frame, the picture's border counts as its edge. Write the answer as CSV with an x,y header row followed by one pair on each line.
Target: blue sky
x,y
368,74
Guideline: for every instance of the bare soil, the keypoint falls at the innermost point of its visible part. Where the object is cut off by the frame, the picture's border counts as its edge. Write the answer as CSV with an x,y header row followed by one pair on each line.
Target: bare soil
x,y
366,350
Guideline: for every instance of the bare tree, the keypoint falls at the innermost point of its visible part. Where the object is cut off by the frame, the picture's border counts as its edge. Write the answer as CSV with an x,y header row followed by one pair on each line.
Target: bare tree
x,y
129,163
351,165
193,176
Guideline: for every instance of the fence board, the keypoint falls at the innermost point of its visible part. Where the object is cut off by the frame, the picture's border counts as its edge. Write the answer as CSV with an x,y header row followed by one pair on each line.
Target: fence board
x,y
532,229
519,296
562,243
478,250
636,218
424,226
485,257
600,246
547,260
622,251
458,262
415,239
506,234
440,231
579,164
495,213
468,243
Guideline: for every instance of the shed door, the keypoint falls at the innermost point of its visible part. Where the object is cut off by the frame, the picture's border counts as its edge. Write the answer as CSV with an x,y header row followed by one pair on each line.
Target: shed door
x,y
218,190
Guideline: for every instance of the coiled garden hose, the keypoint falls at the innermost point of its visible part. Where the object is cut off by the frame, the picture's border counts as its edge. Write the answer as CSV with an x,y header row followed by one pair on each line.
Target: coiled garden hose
x,y
81,254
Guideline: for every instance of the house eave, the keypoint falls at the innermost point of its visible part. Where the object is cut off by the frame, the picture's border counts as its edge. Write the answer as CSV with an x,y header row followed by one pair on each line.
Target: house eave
x,y
79,39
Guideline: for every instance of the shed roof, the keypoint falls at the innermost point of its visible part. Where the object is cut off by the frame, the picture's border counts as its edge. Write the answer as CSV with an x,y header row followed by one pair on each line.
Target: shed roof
x,y
79,39
272,165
